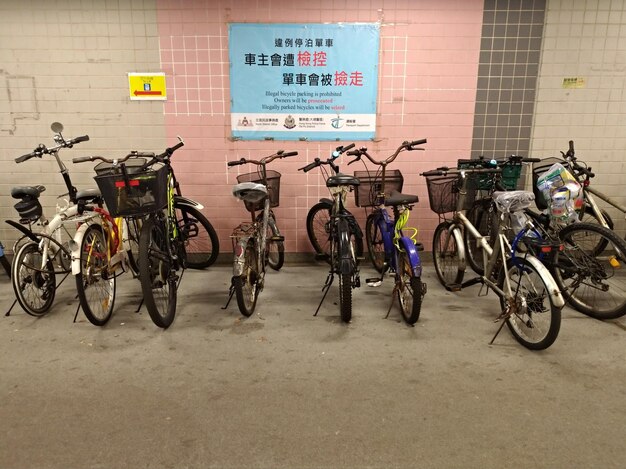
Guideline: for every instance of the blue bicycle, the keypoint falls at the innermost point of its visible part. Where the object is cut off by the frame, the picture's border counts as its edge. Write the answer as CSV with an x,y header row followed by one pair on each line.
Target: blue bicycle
x,y
389,248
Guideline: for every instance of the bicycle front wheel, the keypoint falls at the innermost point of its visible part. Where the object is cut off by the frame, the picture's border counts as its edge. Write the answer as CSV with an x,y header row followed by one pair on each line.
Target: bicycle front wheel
x,y
447,256
410,290
375,243
158,281
201,242
592,282
534,320
246,284
131,243
34,286
94,283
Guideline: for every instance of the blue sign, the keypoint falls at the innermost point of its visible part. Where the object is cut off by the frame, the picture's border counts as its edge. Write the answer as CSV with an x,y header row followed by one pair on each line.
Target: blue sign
x,y
303,81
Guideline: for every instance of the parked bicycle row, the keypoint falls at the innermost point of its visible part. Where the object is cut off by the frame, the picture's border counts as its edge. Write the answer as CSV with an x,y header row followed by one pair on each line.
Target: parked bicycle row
x,y
534,261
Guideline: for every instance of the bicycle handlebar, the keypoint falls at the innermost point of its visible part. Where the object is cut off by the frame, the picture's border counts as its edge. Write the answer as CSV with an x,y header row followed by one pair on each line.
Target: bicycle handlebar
x,y
42,149
406,145
263,161
444,171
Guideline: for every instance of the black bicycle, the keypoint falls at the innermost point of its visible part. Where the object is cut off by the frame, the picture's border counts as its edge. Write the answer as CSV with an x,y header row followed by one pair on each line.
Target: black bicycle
x,y
344,235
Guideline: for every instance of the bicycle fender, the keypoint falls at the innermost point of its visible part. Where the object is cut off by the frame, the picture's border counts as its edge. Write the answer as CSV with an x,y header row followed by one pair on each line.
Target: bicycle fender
x,y
180,200
327,201
553,289
414,258
239,260
28,233
346,261
75,252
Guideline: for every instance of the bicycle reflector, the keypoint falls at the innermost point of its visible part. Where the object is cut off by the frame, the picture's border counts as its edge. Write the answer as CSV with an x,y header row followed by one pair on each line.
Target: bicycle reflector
x,y
132,183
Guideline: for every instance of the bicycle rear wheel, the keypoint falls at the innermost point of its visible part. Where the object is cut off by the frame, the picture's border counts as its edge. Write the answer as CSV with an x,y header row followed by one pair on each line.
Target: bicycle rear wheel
x,y
447,256
201,242
95,287
593,282
246,285
318,227
483,218
410,290
158,280
534,320
131,243
34,287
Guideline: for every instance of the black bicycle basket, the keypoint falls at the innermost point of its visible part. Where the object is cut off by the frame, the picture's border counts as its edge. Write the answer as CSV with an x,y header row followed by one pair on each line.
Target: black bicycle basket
x,y
443,191
135,194
273,188
366,193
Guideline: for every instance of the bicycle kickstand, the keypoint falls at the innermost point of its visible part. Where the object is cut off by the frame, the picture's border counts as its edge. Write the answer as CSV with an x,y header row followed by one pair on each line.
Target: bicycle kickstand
x,y
231,292
8,313
502,318
325,288
393,299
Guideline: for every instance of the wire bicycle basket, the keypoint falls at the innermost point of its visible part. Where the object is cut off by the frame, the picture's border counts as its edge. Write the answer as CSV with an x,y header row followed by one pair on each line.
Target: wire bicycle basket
x,y
273,188
134,193
366,194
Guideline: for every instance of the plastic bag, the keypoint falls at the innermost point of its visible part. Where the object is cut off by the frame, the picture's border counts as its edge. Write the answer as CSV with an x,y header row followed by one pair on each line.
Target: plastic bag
x,y
563,192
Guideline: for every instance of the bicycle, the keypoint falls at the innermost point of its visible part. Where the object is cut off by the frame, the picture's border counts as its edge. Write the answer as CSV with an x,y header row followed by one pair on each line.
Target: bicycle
x,y
148,191
530,300
257,243
588,268
389,249
343,232
41,256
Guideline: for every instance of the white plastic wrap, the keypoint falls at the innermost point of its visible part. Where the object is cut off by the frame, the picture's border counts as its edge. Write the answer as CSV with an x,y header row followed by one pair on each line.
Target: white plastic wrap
x,y
514,202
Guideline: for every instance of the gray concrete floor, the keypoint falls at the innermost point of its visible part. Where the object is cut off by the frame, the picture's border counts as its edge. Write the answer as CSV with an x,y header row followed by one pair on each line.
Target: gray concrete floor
x,y
284,389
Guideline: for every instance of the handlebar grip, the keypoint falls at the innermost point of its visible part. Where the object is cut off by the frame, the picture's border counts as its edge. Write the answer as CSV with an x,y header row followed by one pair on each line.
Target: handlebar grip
x,y
418,142
345,149
21,159
571,145
309,167
531,160
290,153
84,138
236,163
354,153
175,147
434,172
82,159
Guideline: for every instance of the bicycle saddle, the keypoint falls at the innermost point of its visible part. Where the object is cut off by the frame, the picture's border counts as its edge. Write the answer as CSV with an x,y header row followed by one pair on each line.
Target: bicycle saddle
x,y
512,201
88,194
342,180
27,191
397,198
250,191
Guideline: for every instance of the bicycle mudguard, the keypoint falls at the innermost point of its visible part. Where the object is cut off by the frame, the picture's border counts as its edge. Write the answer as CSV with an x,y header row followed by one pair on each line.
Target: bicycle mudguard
x,y
414,258
239,251
28,233
346,260
326,200
551,285
77,241
180,200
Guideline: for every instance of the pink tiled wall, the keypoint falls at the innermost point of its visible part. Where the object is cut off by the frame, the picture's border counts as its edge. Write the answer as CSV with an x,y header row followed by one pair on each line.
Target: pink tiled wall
x,y
427,88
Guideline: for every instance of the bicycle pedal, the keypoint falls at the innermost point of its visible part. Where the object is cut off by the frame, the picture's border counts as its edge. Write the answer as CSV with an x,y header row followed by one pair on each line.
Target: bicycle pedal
x,y
277,238
454,287
374,282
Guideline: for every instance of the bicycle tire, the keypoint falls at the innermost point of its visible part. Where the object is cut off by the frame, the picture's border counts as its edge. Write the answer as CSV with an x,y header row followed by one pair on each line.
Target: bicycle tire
x,y
533,325
274,249
483,220
449,265
345,250
133,232
345,297
95,293
374,241
318,228
409,290
158,286
201,241
246,285
34,289
591,282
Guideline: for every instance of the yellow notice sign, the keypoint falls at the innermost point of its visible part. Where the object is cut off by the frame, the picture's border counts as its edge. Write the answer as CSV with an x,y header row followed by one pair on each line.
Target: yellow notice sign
x,y
573,82
147,86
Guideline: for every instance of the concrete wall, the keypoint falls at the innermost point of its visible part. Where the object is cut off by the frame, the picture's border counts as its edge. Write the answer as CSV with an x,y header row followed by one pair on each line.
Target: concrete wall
x,y
585,40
